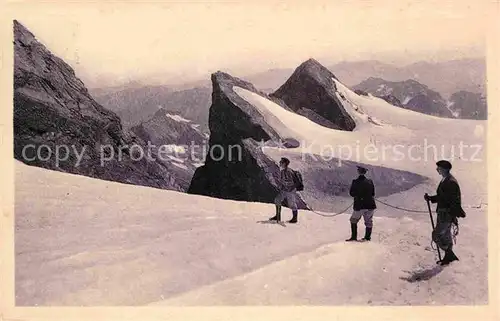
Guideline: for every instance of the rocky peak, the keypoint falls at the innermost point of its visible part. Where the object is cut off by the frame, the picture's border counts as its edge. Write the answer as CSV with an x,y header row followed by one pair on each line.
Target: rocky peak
x,y
232,117
314,69
311,92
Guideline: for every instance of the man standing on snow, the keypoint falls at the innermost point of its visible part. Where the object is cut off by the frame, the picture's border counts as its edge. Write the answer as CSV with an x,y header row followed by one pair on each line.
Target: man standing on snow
x,y
287,190
363,191
449,207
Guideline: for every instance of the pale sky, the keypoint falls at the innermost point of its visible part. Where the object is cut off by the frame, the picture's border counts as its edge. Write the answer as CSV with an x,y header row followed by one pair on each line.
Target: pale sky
x,y
129,41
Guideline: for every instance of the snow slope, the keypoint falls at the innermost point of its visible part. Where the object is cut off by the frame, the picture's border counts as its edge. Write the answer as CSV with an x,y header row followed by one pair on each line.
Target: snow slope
x,y
82,241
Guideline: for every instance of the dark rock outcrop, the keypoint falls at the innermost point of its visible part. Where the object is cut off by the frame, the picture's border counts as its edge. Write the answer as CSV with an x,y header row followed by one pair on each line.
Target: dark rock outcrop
x,y
311,92
468,105
235,166
409,94
53,110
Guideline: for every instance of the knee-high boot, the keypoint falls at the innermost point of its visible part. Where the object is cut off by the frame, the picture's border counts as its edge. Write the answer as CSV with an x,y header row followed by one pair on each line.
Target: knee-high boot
x,y
368,234
354,232
277,217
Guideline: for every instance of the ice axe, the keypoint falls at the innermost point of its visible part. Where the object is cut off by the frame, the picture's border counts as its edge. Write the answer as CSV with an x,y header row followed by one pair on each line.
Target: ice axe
x,y
432,221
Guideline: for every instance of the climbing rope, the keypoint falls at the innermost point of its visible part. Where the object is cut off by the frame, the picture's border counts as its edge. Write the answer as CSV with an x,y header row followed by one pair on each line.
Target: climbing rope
x,y
386,204
345,210
330,215
400,208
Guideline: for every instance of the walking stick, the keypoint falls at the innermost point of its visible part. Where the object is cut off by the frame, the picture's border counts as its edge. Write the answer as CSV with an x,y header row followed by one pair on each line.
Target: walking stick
x,y
433,227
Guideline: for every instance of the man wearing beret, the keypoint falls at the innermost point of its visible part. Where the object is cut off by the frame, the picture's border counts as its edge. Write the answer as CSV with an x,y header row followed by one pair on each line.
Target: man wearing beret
x,y
363,192
449,207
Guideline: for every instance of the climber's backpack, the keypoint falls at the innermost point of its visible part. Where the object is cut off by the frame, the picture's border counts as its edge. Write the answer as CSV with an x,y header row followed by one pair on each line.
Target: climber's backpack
x,y
297,180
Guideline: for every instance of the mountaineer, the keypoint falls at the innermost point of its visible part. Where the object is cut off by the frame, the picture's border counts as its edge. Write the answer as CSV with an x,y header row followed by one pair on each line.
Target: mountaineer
x,y
449,208
288,182
363,192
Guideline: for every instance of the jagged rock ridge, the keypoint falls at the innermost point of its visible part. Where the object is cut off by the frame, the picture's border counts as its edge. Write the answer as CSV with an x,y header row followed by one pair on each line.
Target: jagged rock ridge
x,y
52,108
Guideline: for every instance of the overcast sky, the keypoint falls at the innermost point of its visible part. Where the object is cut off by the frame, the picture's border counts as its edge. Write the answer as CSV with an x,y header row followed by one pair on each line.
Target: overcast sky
x,y
129,41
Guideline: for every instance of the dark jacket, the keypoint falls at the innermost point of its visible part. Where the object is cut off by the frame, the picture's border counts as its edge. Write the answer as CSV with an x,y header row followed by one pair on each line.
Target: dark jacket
x,y
363,191
448,197
285,180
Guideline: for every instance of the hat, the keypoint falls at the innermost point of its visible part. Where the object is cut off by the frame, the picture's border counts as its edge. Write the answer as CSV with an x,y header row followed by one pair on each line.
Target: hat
x,y
361,169
285,161
444,164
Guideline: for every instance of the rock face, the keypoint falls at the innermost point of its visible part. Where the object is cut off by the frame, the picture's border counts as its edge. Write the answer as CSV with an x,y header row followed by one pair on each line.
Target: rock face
x,y
53,110
469,105
311,92
235,167
408,94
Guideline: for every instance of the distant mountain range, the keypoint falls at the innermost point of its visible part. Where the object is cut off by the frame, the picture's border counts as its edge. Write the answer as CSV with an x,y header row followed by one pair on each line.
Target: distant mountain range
x,y
439,82
136,105
444,77
411,94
